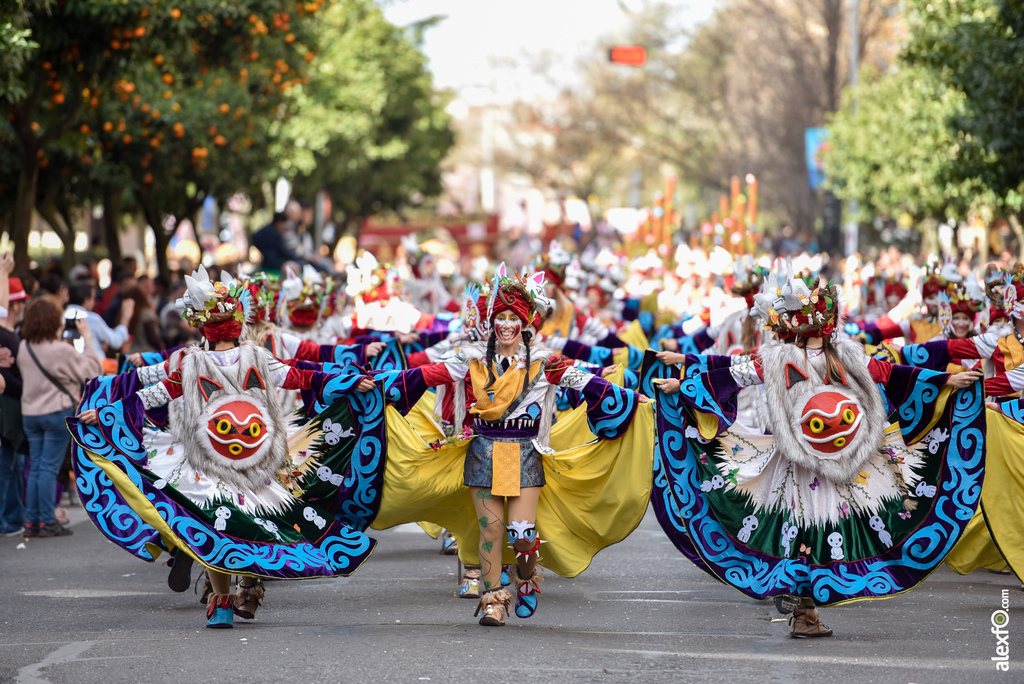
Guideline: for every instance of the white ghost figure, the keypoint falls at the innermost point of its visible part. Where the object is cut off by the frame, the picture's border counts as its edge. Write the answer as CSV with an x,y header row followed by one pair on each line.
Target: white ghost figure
x,y
789,533
324,473
694,433
835,540
878,525
337,479
268,526
222,513
924,489
310,514
717,482
749,525
332,432
160,484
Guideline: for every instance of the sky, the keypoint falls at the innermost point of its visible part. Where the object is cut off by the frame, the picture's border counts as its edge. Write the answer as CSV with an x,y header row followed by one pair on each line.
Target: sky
x,y
483,48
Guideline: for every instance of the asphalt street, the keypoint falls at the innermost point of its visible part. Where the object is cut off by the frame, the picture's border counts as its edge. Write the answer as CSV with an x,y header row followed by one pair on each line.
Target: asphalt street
x,y
80,610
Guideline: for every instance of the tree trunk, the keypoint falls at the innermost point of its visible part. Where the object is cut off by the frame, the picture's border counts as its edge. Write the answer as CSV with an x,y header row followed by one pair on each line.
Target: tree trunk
x,y
65,231
1018,230
112,223
161,237
21,221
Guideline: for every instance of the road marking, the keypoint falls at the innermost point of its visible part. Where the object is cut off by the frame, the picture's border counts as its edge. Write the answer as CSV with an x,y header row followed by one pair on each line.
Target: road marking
x,y
901,663
87,593
65,654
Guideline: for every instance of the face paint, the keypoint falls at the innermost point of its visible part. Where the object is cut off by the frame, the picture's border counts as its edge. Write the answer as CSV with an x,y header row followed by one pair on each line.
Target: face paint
x,y
237,430
507,327
522,530
961,325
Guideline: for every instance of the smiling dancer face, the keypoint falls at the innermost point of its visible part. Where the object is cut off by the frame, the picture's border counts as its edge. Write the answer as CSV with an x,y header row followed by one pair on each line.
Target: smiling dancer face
x,y
508,329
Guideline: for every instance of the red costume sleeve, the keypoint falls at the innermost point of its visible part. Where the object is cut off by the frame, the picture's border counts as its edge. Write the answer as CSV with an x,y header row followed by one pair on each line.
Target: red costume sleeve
x,y
298,379
555,369
417,359
435,374
880,371
998,386
962,349
888,329
308,351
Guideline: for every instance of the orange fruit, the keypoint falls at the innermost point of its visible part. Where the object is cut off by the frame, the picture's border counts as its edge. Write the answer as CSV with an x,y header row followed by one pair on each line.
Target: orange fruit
x,y
224,108
158,60
175,13
168,94
167,78
126,139
148,178
85,129
220,141
58,98
108,126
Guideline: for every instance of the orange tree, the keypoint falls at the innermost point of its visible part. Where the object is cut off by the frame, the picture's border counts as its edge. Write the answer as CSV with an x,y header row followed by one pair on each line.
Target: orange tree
x,y
368,127
147,101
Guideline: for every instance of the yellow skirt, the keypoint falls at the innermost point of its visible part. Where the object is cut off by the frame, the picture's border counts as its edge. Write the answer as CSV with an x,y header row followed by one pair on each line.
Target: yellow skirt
x,y
596,494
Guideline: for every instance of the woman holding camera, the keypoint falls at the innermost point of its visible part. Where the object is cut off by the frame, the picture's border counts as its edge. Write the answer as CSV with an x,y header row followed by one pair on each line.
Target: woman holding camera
x,y
52,371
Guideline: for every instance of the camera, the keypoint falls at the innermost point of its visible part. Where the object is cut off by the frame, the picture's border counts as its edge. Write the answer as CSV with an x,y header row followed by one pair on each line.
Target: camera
x,y
70,328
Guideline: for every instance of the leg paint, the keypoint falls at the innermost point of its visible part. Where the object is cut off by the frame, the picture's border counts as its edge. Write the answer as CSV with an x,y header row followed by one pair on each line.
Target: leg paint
x,y
490,513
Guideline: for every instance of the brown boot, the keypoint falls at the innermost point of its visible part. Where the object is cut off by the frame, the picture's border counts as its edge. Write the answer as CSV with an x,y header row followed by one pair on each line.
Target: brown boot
x,y
248,597
805,623
470,587
207,587
494,605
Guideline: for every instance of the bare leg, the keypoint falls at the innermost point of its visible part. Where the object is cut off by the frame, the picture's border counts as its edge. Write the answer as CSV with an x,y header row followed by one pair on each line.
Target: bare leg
x,y
490,514
220,581
523,508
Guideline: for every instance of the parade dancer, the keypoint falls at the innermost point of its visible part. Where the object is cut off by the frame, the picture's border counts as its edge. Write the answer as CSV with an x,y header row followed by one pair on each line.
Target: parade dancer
x,y
831,504
506,388
230,492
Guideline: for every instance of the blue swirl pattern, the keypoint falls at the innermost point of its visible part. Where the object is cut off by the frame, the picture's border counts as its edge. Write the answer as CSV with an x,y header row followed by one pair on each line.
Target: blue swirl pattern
x,y
688,517
339,550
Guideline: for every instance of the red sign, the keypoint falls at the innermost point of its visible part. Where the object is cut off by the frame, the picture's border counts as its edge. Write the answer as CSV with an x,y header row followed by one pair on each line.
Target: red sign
x,y
630,55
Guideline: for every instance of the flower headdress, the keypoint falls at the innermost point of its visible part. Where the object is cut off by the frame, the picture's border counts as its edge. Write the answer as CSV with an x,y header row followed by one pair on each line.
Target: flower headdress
x,y
792,309
219,309
302,297
747,278
369,281
938,279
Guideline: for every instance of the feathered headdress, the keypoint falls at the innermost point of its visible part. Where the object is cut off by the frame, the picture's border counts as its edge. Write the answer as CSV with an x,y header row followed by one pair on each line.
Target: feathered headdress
x,y
792,309
1013,293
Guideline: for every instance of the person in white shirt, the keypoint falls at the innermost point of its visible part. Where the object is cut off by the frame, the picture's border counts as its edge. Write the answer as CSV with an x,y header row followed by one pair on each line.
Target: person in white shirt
x,y
81,300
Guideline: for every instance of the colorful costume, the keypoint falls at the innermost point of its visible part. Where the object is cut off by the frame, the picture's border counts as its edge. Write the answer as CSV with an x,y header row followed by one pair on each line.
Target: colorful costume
x,y
836,502
222,483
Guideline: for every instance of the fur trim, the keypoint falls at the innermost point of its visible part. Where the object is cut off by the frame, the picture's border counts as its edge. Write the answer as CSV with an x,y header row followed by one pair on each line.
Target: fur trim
x,y
779,409
252,473
534,580
439,394
215,600
494,597
547,416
